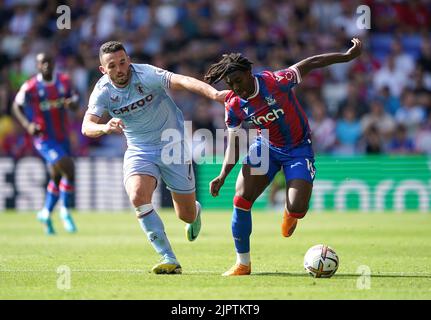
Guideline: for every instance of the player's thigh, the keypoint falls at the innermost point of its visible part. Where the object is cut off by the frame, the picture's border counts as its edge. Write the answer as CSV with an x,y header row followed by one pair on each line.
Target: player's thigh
x,y
249,185
140,176
179,178
66,167
299,174
185,206
140,188
54,173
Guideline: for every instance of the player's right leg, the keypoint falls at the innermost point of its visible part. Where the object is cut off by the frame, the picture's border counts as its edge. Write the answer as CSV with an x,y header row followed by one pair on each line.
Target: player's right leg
x,y
248,188
140,188
67,168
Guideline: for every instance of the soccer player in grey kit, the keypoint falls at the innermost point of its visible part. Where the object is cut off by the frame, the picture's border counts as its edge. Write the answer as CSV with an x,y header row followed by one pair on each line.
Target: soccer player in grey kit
x,y
135,96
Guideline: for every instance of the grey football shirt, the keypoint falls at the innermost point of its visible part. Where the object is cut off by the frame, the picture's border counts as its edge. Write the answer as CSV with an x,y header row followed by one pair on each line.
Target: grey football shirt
x,y
143,105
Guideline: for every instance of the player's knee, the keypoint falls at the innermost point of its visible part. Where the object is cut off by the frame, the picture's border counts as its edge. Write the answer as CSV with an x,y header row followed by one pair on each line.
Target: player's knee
x,y
138,198
70,178
56,179
242,203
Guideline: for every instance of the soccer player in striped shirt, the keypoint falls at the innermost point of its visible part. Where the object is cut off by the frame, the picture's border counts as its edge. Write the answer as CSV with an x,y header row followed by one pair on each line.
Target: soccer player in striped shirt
x,y
40,107
266,101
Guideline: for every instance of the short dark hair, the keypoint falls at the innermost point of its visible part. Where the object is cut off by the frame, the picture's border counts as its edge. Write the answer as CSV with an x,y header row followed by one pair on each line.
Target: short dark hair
x,y
229,63
110,47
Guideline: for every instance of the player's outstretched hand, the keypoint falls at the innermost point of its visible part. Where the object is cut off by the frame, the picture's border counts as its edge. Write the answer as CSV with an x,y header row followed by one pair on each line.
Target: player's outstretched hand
x,y
215,185
72,102
33,129
355,50
114,125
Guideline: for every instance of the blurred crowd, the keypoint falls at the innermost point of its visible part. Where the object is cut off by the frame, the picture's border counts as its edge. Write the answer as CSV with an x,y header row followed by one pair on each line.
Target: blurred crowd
x,y
378,103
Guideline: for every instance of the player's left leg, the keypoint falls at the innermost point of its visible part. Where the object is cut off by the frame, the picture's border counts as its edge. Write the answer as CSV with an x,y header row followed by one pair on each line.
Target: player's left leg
x,y
189,210
67,168
180,180
298,194
51,199
299,173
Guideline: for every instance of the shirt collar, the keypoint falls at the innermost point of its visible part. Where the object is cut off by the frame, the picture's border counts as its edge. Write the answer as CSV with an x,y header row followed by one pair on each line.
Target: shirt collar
x,y
256,89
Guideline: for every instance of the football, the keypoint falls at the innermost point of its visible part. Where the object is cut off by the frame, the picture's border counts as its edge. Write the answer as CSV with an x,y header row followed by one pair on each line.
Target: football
x,y
321,261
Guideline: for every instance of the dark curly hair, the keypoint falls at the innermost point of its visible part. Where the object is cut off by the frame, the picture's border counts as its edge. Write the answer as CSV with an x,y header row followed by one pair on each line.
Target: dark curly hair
x,y
229,63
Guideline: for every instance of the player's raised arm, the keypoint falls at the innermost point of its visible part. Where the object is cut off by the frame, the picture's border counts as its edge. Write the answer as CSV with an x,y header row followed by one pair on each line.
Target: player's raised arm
x,y
180,82
323,60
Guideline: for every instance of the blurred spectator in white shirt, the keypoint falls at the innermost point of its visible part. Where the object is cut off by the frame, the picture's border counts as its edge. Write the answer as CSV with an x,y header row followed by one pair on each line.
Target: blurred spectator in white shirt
x,y
391,77
322,129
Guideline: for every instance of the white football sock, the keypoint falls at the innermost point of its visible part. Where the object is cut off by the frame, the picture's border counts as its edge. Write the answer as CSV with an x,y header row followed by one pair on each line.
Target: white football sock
x,y
243,258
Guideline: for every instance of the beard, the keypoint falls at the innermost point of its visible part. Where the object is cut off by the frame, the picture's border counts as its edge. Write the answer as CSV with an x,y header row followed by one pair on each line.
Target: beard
x,y
122,80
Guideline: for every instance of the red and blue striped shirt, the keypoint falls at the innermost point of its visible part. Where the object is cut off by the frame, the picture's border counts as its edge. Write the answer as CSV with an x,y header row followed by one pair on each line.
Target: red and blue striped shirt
x,y
43,103
273,107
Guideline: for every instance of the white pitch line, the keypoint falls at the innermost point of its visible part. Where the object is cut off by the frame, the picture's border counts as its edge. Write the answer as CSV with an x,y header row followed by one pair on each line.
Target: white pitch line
x,y
98,270
259,272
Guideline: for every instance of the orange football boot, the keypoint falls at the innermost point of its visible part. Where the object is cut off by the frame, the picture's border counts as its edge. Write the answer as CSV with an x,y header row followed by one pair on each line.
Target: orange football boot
x,y
238,270
288,225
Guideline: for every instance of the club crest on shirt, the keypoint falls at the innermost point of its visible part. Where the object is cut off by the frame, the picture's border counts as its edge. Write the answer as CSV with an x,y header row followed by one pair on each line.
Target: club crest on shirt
x,y
270,101
288,76
279,77
139,88
114,98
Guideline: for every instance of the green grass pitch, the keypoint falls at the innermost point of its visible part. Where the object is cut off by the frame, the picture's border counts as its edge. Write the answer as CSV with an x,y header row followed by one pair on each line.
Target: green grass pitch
x,y
110,258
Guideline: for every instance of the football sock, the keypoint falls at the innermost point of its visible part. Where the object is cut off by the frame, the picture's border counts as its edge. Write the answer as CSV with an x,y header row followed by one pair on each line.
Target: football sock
x,y
243,258
66,193
153,227
52,196
241,226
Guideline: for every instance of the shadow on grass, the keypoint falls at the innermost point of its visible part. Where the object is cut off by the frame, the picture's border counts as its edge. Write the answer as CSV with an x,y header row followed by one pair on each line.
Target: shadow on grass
x,y
345,275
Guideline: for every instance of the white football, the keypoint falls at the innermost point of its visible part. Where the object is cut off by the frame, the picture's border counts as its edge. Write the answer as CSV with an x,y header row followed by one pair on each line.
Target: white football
x,y
321,261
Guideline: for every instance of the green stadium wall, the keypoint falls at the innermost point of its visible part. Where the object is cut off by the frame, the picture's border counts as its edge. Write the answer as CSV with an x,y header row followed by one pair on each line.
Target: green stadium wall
x,y
364,183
